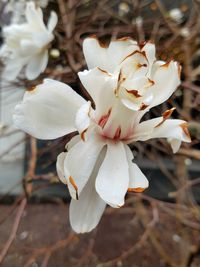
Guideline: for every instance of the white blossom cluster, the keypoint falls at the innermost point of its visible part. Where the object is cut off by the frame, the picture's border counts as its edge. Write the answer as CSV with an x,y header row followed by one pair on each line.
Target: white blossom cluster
x,y
26,42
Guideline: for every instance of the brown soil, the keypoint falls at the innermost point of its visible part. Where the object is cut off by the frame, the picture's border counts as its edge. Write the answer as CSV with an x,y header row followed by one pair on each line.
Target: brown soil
x,y
44,225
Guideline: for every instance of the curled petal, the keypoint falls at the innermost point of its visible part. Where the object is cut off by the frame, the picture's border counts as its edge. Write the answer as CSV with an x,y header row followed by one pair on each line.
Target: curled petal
x,y
60,167
166,79
134,92
157,128
83,119
149,50
135,65
48,111
100,85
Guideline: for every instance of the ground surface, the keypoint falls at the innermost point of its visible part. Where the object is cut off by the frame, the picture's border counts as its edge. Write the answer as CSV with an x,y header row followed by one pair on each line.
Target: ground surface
x,y
44,238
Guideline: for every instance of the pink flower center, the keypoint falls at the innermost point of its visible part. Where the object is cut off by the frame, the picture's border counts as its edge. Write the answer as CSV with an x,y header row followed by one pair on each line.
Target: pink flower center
x,y
113,131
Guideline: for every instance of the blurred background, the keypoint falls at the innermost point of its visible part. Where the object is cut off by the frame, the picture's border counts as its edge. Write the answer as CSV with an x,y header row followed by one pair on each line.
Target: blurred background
x,y
159,227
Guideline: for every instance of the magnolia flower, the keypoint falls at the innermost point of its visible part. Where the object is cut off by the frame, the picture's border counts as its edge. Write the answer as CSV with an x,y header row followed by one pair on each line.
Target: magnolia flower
x,y
26,44
124,81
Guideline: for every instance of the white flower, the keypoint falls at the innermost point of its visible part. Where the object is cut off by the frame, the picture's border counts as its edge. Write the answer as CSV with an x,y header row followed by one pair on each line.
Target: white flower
x,y
26,44
98,167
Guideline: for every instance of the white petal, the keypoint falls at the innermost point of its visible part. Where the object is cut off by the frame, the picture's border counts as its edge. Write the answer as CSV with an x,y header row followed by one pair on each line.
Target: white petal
x,y
149,49
85,213
137,180
15,33
136,92
34,16
99,84
27,48
12,69
175,144
48,111
60,167
94,81
136,84
107,57
166,79
113,177
95,55
117,120
134,65
130,104
37,65
129,153
171,129
72,142
42,39
3,50
53,20
83,119
86,154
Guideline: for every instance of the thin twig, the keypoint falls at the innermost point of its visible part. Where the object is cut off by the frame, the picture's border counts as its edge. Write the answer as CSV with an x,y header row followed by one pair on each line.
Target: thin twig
x,y
31,169
14,230
48,251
